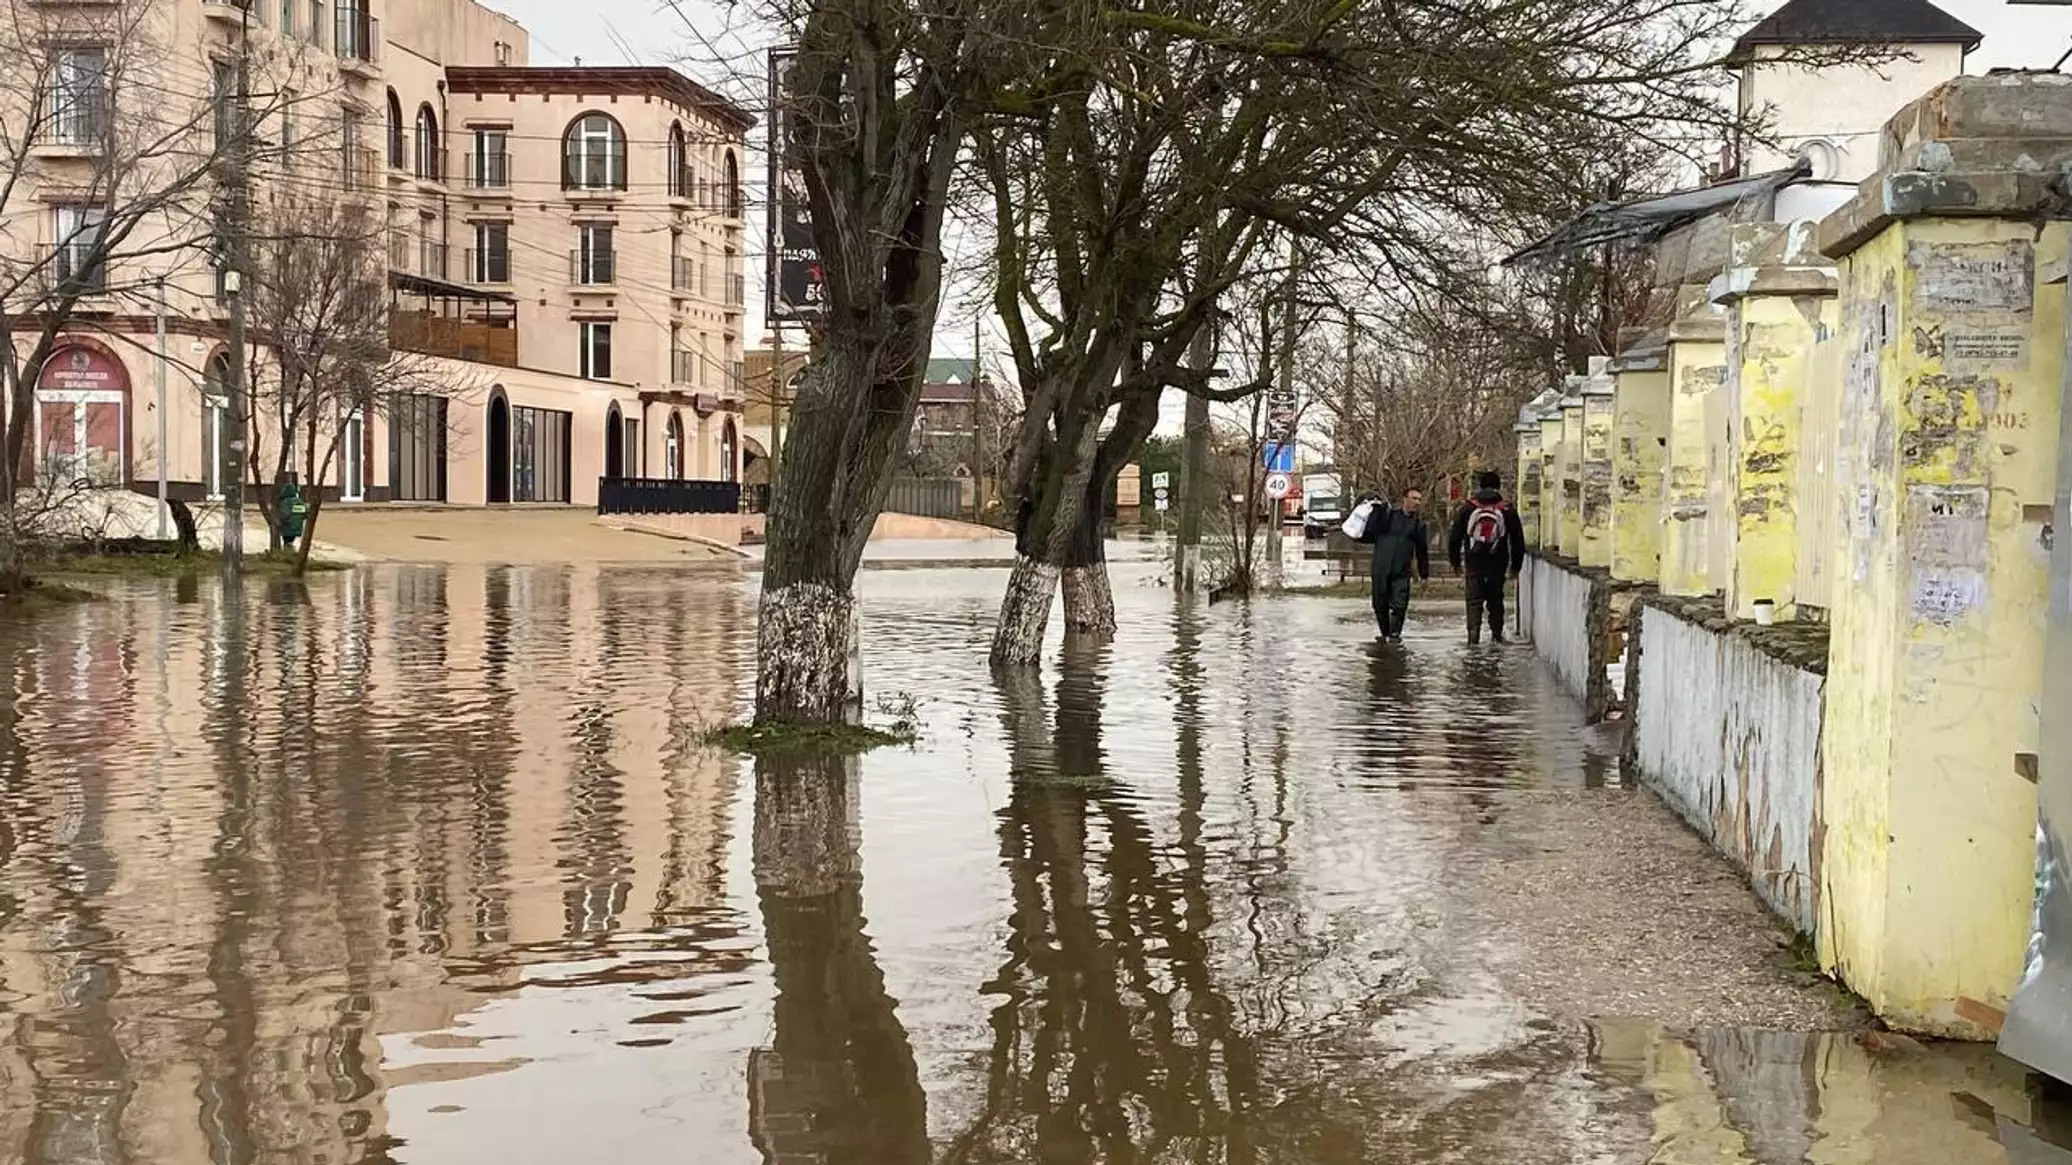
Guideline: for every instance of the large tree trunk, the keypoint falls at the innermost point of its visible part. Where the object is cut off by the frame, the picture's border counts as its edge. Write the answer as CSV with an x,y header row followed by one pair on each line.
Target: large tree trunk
x,y
1044,544
848,424
1089,600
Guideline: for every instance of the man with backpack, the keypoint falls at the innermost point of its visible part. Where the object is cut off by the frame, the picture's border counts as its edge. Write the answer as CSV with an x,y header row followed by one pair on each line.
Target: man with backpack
x,y
1488,542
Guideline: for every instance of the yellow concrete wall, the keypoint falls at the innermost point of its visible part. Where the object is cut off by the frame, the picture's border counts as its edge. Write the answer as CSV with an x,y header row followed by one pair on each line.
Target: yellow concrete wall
x,y
1696,368
1773,358
1950,415
1570,460
1596,545
1527,485
1640,447
1719,489
1550,483
1820,437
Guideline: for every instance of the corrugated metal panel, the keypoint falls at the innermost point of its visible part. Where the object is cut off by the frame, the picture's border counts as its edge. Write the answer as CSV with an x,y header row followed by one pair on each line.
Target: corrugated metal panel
x,y
1731,738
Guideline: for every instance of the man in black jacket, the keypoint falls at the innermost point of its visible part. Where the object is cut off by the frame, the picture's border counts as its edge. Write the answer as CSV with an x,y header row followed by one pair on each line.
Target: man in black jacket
x,y
1398,535
1487,542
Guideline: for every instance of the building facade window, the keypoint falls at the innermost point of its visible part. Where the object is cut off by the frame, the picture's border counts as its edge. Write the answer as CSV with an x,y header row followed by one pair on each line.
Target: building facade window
x,y
732,185
727,443
539,454
430,149
594,154
316,22
288,8
289,138
672,448
679,163
79,96
222,98
489,160
78,262
594,361
395,131
356,177
595,258
491,258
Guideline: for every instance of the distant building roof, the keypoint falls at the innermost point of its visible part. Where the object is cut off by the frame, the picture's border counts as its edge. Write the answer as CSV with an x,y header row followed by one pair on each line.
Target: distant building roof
x,y
1880,22
581,81
951,370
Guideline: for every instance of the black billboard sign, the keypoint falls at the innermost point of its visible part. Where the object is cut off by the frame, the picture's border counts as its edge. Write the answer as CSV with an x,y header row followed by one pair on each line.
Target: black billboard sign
x,y
795,286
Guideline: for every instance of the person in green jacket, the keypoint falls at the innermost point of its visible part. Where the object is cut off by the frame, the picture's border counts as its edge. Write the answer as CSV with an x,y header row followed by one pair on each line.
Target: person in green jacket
x,y
1400,544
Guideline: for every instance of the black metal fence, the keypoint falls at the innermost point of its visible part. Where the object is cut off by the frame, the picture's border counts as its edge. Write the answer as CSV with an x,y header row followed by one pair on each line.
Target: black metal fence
x,y
661,495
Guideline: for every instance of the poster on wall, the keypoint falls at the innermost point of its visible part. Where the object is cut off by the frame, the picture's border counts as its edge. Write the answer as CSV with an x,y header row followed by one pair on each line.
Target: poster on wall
x,y
795,286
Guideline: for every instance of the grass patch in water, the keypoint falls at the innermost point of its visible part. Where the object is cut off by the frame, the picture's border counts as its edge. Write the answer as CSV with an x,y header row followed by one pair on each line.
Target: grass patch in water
x,y
162,561
805,739
43,596
902,728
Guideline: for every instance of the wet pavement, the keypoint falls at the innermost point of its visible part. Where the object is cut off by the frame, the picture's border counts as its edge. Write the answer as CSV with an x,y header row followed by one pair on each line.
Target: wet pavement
x,y
429,865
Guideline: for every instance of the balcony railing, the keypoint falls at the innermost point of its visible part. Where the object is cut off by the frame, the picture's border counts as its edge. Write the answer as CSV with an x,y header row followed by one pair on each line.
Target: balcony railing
x,y
230,10
594,167
431,259
592,268
429,165
73,269
357,36
488,267
683,367
489,171
78,121
683,274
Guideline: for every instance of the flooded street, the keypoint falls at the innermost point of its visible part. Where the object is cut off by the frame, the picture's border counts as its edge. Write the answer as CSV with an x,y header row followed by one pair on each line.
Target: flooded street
x,y
429,865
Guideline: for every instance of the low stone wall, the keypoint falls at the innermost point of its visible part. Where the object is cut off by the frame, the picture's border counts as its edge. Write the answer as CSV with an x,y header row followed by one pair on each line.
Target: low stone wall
x,y
1576,618
1726,728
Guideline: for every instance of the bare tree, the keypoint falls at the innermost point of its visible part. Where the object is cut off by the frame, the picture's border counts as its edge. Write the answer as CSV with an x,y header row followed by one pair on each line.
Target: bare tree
x,y
324,368
875,107
1145,159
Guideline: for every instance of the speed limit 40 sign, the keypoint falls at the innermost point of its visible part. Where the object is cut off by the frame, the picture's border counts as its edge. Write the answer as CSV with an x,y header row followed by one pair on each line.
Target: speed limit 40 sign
x,y
1277,486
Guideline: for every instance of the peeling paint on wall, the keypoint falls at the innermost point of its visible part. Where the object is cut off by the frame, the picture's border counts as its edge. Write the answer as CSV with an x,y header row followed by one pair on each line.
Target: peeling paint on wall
x,y
1997,276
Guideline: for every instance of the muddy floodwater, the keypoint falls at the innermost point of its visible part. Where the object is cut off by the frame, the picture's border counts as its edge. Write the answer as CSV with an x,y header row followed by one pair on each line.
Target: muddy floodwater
x,y
430,865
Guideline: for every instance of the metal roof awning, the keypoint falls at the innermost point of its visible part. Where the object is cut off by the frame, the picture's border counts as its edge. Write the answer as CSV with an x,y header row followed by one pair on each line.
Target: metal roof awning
x,y
425,285
1647,219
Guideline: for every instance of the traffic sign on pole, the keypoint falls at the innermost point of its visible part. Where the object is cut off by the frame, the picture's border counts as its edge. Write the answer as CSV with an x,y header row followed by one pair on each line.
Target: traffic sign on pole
x,y
1277,486
1279,457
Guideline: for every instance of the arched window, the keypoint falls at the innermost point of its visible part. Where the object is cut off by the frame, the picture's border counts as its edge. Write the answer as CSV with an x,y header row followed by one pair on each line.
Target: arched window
x,y
727,445
679,163
396,158
428,143
217,467
732,178
672,448
1822,158
594,154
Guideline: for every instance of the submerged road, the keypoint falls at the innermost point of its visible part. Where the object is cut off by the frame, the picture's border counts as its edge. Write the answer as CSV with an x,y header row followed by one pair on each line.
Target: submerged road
x,y
429,865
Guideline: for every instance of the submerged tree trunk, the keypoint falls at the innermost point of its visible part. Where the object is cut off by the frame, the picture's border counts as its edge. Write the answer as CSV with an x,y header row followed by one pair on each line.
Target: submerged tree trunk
x,y
1089,599
848,423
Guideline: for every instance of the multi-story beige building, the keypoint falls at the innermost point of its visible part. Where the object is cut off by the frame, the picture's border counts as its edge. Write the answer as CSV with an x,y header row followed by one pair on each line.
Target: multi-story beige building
x,y
564,249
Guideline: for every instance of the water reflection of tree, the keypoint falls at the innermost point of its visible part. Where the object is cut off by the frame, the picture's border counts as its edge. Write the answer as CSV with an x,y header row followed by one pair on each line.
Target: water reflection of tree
x,y
1113,1040
839,1085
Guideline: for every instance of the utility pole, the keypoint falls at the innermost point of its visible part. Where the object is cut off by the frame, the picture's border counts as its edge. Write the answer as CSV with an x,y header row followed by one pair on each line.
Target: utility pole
x,y
1194,470
164,445
237,180
1277,507
978,418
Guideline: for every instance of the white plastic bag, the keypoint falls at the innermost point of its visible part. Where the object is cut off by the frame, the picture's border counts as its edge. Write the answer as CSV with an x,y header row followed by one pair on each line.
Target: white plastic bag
x,y
1355,526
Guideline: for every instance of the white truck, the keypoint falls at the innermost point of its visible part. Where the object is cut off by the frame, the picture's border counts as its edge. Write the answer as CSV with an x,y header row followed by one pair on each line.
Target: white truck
x,y
1323,503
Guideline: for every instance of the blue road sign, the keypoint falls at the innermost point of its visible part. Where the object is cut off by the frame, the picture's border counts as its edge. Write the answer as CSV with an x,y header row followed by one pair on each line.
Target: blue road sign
x,y
1279,458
